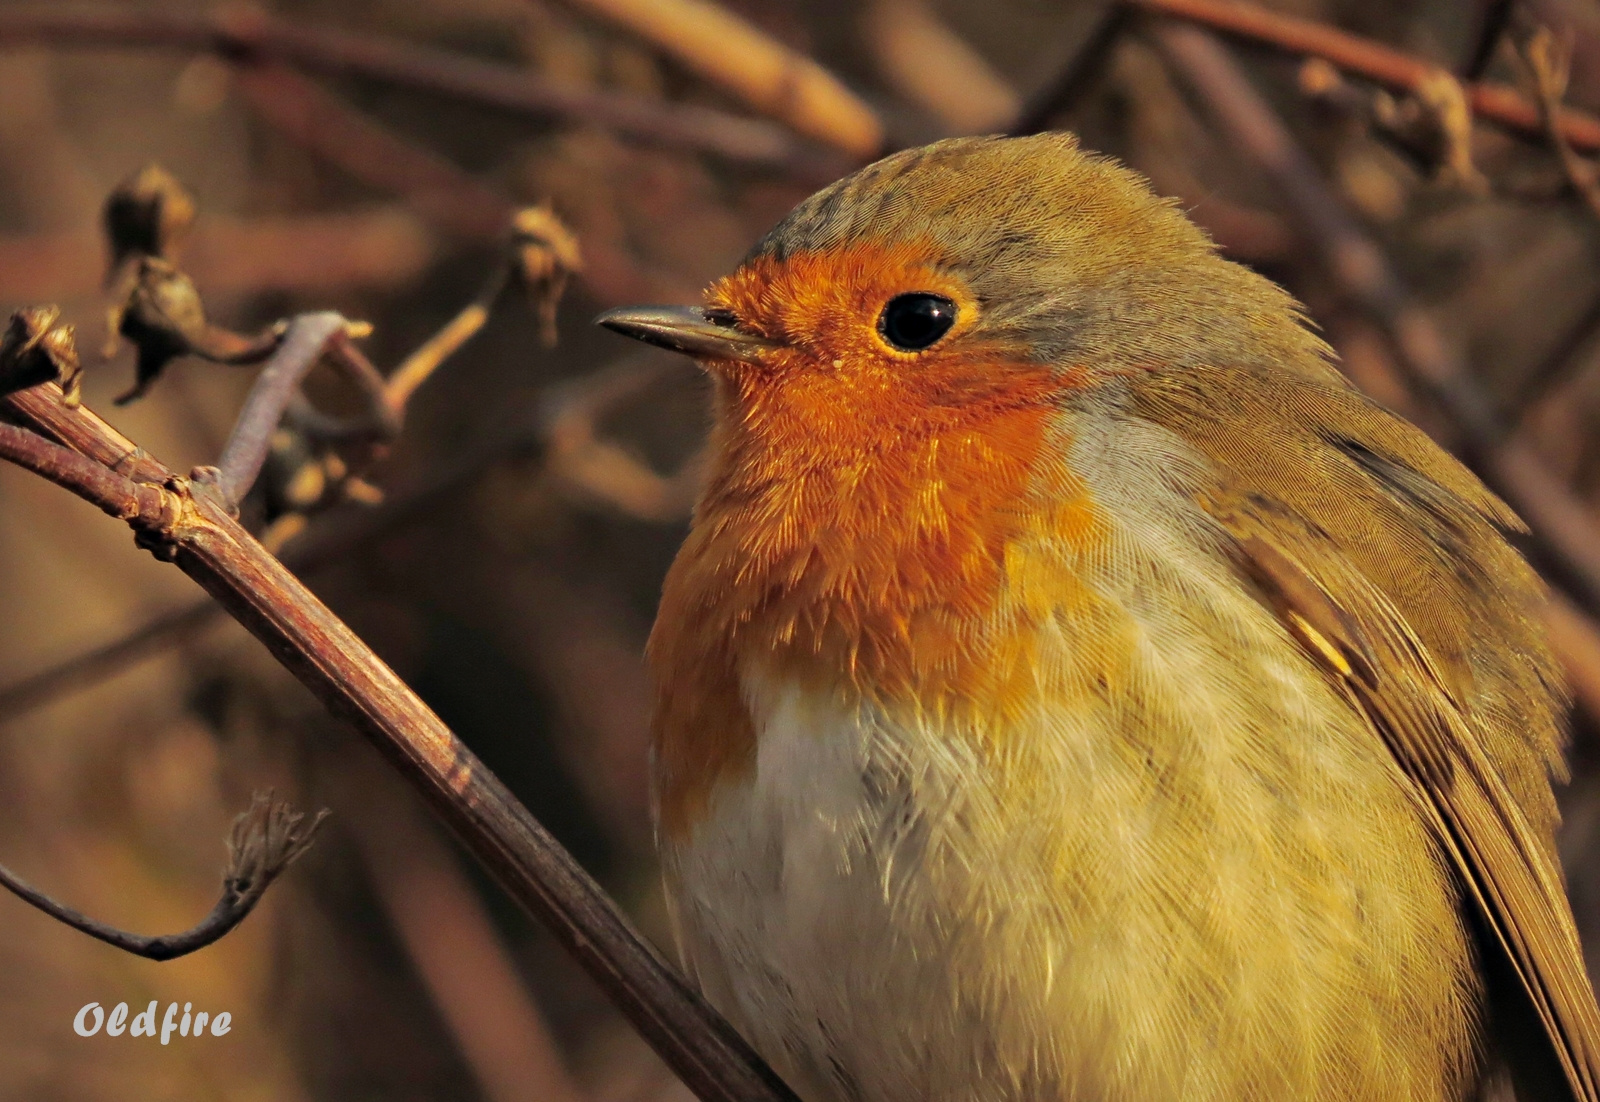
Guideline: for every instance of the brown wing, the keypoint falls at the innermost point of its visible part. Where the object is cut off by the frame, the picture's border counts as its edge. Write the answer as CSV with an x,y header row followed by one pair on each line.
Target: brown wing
x,y
1365,644
1382,557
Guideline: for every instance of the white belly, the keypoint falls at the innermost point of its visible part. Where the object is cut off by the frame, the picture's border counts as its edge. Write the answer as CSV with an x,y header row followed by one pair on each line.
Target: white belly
x,y
1184,870
891,915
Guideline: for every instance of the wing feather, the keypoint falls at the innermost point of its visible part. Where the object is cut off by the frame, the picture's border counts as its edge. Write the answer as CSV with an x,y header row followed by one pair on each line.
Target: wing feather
x,y
1386,559
1365,644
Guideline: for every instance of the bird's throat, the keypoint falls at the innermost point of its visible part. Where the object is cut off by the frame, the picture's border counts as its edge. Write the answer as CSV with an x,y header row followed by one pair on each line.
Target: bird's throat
x,y
858,546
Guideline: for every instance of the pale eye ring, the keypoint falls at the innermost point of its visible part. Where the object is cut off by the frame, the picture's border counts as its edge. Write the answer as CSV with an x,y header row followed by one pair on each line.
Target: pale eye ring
x,y
917,320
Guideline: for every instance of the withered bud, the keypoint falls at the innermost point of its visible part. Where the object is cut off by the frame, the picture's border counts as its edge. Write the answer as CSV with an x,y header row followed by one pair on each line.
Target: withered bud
x,y
1320,80
1444,99
162,317
147,214
546,254
267,838
36,349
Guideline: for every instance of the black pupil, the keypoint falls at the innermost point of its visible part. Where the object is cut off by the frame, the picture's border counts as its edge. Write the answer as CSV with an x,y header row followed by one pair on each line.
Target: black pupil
x,y
915,321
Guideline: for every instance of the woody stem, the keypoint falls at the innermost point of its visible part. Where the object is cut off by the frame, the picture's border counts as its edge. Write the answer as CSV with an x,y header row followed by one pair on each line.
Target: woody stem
x,y
199,535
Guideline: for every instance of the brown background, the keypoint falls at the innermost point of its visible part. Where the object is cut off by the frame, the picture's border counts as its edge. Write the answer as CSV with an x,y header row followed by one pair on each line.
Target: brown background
x,y
517,602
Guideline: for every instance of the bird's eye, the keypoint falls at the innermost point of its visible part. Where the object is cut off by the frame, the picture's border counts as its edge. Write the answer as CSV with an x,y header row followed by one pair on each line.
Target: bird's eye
x,y
917,320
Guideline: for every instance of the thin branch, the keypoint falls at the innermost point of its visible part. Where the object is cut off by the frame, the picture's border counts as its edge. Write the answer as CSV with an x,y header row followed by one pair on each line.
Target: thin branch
x,y
328,658
1549,63
566,424
265,840
1384,65
335,131
301,347
1074,74
540,254
83,431
385,415
1492,25
1556,365
1565,532
90,667
321,121
140,504
416,368
730,52
162,312
250,37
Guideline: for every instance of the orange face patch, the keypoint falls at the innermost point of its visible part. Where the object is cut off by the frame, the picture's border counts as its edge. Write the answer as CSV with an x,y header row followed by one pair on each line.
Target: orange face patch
x,y
855,530
827,304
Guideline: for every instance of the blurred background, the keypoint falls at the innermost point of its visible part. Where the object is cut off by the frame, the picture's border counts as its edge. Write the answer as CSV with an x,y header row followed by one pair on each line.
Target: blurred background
x,y
366,156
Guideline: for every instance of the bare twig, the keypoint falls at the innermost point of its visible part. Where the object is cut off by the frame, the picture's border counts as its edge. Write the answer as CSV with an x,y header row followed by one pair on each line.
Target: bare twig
x,y
249,37
265,840
1432,126
1492,23
1384,65
580,459
302,345
1075,73
539,257
206,543
163,313
416,368
140,504
1557,365
1549,64
932,66
335,131
566,422
453,945
84,670
1565,532
742,59
383,246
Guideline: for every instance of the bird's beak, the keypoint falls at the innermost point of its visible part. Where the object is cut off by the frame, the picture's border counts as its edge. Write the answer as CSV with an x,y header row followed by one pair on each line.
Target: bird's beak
x,y
686,329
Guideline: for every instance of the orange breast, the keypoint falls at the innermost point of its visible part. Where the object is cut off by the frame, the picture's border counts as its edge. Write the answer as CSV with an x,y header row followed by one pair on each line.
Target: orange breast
x,y
854,536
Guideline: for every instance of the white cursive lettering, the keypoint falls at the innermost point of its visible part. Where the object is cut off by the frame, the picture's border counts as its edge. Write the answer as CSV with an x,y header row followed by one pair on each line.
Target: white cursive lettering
x,y
80,1024
92,1017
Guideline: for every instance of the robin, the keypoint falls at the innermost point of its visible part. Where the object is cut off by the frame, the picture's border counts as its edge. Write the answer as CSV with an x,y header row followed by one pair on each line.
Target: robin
x,y
1072,688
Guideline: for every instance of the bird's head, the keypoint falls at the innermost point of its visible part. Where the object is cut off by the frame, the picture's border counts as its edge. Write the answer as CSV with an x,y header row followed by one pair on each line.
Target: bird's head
x,y
935,269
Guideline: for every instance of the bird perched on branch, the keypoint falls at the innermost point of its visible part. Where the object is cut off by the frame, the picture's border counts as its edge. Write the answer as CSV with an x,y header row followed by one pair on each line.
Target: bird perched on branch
x,y
1072,688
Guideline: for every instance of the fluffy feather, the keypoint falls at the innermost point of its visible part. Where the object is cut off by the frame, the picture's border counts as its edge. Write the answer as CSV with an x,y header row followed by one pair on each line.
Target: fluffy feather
x,y
1108,702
